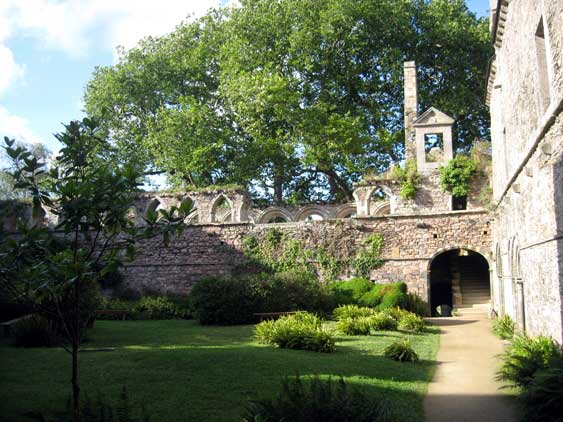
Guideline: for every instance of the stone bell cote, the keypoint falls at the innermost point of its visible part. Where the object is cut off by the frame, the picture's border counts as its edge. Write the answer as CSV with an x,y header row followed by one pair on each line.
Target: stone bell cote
x,y
433,132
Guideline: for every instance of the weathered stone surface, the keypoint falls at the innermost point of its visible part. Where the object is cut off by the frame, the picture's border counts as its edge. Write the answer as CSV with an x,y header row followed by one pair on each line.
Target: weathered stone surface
x,y
527,133
410,243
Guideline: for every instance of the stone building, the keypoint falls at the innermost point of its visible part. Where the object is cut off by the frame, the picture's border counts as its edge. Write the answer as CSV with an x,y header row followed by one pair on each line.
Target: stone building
x,y
441,247
525,95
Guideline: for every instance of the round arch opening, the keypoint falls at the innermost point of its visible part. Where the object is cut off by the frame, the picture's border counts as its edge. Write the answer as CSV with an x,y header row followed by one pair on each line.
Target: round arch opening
x,y
459,279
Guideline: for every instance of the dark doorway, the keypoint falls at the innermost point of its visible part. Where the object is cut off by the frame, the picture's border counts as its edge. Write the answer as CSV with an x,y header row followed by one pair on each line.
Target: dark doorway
x,y
459,279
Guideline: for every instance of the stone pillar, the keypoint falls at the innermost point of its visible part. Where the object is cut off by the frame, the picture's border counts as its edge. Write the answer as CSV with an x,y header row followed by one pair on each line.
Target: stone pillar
x,y
411,106
520,316
240,206
362,195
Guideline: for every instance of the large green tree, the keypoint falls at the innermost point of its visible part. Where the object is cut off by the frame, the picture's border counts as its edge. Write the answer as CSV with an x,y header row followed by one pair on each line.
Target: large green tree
x,y
295,99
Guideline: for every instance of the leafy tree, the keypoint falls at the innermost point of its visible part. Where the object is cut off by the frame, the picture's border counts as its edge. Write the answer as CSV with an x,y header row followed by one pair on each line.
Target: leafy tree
x,y
90,191
7,190
296,99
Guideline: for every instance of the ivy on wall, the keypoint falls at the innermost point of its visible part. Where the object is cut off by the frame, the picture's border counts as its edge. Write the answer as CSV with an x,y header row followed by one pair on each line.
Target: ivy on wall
x,y
276,251
368,257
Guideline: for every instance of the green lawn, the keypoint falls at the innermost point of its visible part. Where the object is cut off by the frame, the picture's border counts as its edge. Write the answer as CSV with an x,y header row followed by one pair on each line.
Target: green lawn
x,y
186,372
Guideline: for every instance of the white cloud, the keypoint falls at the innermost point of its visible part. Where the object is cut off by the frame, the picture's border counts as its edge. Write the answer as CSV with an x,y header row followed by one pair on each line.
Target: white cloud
x,y
75,26
10,71
16,127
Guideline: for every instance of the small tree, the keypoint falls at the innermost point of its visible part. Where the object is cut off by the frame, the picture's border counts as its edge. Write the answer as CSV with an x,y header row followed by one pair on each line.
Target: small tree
x,y
90,191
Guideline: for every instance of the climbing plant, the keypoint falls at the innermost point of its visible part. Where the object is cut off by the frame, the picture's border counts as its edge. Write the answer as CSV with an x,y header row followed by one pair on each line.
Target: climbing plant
x,y
408,177
456,176
276,251
368,257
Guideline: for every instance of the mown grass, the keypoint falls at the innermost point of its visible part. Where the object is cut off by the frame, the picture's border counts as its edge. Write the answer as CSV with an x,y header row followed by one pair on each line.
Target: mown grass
x,y
185,372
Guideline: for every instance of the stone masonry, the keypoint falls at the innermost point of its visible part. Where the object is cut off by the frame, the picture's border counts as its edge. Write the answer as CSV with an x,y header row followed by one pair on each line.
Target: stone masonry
x,y
525,94
411,242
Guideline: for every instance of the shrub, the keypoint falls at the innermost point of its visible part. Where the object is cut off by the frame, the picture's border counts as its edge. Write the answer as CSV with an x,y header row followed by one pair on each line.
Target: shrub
x,y
235,300
392,299
300,331
395,313
316,401
159,307
226,301
350,291
360,326
352,311
383,296
409,179
504,327
382,322
543,399
416,305
182,306
456,176
36,331
411,322
401,351
125,293
524,357
292,291
149,307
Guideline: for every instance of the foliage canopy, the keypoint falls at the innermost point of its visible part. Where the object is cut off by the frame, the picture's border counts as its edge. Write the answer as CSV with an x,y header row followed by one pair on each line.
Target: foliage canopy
x,y
295,99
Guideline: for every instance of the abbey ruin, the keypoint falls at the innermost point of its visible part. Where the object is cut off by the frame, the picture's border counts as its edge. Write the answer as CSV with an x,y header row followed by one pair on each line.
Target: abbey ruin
x,y
506,258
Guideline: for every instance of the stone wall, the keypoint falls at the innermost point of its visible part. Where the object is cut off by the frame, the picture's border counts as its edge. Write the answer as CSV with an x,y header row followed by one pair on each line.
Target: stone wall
x,y
410,244
526,101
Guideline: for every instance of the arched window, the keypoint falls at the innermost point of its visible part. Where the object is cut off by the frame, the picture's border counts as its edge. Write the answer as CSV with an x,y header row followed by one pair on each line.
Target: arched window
x,y
379,202
312,213
222,210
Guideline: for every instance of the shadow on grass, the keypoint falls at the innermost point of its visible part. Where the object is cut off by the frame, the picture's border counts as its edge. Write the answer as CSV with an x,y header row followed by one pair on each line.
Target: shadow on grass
x,y
187,372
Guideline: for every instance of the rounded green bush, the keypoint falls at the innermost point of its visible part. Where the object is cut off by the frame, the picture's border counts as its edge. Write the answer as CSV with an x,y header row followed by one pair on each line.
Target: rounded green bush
x,y
350,291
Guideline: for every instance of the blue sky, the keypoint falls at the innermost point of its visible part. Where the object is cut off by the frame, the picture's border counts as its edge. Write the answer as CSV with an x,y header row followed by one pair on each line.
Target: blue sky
x,y
49,48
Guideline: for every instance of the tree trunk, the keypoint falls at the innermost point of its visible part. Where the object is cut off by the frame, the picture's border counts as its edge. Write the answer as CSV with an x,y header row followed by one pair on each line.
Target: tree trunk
x,y
278,188
333,185
76,337
75,387
337,183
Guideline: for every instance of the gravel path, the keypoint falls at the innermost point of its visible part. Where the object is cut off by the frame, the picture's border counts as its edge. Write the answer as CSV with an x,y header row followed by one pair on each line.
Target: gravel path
x,y
464,387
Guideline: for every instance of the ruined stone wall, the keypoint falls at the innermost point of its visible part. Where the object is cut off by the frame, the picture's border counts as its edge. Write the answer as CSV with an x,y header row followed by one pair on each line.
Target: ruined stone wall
x,y
527,134
410,243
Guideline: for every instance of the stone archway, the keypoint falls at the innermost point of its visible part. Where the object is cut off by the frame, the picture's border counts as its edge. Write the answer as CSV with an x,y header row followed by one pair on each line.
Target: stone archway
x,y
311,213
221,209
459,278
274,215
